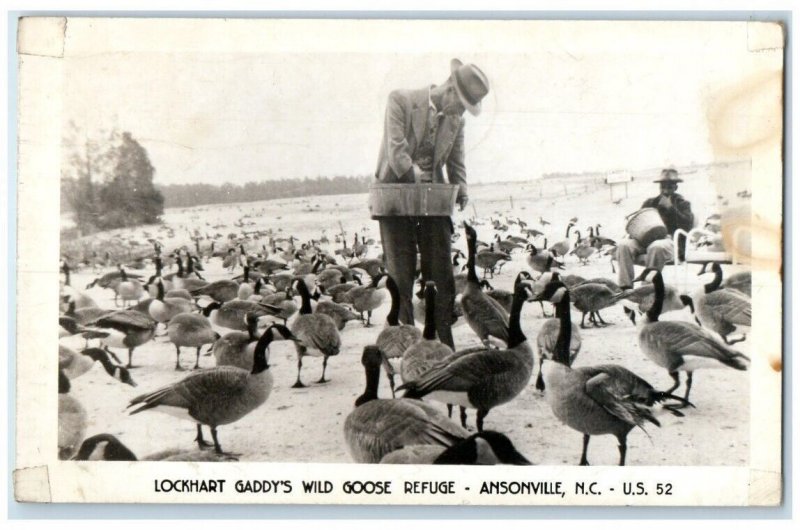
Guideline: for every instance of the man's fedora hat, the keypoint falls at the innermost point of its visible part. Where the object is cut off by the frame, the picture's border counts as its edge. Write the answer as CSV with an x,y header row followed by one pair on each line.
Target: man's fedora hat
x,y
471,84
669,175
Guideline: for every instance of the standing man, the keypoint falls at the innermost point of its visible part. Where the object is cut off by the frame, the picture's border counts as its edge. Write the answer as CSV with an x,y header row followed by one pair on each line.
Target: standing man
x,y
675,211
424,135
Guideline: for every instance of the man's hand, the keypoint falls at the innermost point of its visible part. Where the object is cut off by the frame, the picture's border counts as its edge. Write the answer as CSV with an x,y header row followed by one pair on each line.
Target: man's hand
x,y
665,202
462,202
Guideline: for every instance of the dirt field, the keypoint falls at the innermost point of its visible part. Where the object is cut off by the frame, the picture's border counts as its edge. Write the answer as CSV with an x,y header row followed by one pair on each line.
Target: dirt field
x,y
305,425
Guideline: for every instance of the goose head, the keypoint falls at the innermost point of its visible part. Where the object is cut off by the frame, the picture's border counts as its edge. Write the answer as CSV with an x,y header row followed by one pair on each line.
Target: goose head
x,y
647,275
371,359
483,448
104,447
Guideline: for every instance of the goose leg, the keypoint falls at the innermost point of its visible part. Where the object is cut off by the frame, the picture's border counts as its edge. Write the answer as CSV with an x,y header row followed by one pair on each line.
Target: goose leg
x,y
130,357
583,326
197,359
623,448
463,417
539,378
201,443
217,447
178,358
584,461
324,366
688,387
677,379
601,319
369,315
449,410
298,383
479,420
113,355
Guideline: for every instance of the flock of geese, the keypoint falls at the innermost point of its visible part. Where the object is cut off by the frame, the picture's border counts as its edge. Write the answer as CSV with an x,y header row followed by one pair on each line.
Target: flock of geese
x,y
306,293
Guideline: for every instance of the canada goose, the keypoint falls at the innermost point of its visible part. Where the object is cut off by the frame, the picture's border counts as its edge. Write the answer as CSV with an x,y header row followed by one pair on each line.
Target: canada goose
x,y
721,309
741,281
594,400
541,261
340,314
372,267
485,448
583,250
192,330
484,315
74,364
111,279
340,293
217,396
108,447
367,298
221,290
547,340
503,297
317,332
562,247
507,245
85,314
284,302
422,354
328,278
72,420
489,259
484,379
122,329
591,298
376,427
644,296
232,314
128,289
237,348
681,346
163,309
189,278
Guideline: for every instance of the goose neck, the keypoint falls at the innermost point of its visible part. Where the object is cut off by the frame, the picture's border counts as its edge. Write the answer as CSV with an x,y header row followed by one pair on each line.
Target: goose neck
x,y
515,334
658,302
714,284
564,331
260,353
394,312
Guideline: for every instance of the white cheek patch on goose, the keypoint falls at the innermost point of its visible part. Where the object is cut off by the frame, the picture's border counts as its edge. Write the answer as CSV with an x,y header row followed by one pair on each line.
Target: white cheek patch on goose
x,y
485,454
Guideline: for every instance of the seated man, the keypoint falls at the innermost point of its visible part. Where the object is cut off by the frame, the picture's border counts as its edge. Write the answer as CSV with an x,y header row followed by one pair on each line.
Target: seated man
x,y
675,211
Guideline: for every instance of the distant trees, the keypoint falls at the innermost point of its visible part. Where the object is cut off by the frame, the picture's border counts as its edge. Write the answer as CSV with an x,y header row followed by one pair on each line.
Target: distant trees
x,y
186,195
108,183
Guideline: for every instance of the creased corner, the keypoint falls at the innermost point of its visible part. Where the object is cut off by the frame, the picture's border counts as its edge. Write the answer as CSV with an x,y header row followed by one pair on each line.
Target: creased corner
x,y
32,484
765,36
42,36
766,488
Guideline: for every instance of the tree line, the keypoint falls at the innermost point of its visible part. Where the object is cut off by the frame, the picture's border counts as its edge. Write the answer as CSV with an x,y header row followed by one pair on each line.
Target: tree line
x,y
108,183
187,195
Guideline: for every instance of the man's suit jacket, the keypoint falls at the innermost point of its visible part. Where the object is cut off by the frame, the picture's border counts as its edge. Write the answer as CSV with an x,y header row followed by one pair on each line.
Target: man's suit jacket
x,y
404,127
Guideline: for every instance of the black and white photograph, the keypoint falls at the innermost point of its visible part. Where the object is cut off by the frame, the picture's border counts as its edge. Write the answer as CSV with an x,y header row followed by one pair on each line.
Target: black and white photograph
x,y
525,244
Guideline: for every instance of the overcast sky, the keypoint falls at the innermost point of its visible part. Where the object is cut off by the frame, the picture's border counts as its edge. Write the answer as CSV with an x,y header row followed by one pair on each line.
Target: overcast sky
x,y
564,97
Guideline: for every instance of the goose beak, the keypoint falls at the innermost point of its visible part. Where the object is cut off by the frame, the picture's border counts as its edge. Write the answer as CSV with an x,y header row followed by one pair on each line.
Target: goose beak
x,y
641,277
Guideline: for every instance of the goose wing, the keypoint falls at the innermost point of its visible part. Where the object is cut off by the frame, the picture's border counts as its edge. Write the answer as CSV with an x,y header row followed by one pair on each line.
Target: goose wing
x,y
123,321
488,312
685,338
205,385
464,372
319,332
731,305
611,389
382,426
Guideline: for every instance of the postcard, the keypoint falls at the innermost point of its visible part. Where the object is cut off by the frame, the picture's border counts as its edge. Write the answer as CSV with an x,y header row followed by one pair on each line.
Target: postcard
x,y
343,261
